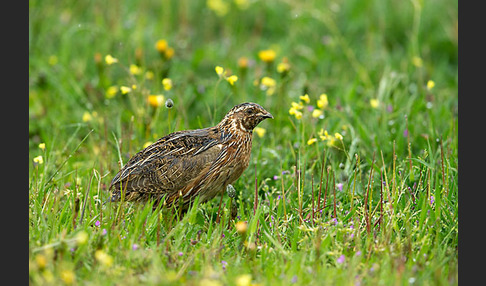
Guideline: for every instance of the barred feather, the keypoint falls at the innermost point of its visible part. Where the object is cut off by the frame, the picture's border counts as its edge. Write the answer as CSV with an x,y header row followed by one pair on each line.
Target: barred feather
x,y
186,164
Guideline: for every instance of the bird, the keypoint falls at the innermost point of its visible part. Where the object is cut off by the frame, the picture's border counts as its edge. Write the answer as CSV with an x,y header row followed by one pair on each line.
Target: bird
x,y
187,164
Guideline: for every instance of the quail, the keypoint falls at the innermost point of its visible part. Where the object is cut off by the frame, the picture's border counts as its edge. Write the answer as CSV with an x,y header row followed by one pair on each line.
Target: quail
x,y
184,165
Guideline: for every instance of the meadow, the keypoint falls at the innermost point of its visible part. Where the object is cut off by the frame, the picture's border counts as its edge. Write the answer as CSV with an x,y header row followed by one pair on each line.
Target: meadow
x,y
354,181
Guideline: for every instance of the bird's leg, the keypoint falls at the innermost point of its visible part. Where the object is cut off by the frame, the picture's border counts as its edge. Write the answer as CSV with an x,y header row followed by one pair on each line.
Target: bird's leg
x,y
219,209
233,207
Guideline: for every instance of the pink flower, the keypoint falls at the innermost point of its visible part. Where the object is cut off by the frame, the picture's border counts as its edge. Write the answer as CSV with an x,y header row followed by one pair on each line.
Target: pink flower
x,y
341,259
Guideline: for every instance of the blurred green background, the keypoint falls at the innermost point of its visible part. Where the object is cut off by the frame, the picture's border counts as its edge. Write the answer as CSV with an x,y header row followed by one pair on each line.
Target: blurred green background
x,y
388,68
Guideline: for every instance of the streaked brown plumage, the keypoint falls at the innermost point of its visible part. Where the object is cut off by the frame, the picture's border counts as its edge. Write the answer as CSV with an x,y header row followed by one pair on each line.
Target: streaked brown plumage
x,y
185,164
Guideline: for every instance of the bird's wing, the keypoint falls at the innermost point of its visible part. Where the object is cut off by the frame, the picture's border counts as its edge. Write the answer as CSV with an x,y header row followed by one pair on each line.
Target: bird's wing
x,y
168,164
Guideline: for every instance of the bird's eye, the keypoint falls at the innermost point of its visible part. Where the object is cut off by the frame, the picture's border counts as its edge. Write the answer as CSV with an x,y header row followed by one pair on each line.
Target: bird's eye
x,y
249,111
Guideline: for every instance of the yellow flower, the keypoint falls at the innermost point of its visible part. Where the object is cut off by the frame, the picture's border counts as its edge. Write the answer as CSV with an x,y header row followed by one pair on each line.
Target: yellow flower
x,y
87,116
295,112
219,70
125,89
149,75
169,53
41,261
268,84
305,98
417,61
110,60
241,227
297,106
209,282
311,141
268,81
243,280
134,86
232,79
52,60
323,134
148,143
67,276
338,136
42,146
218,6
156,100
167,82
82,237
430,84
111,91
260,131
104,258
161,45
135,70
331,142
242,4
283,67
322,102
39,160
374,103
243,62
267,56
316,113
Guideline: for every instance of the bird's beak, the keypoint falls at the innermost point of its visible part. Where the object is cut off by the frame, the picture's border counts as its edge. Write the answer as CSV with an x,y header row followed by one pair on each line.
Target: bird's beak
x,y
266,115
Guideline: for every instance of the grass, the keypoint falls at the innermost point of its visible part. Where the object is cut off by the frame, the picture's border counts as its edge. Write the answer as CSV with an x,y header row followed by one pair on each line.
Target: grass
x,y
378,206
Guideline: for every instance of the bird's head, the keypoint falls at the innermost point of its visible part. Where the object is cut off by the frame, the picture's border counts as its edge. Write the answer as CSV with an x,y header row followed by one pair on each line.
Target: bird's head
x,y
245,117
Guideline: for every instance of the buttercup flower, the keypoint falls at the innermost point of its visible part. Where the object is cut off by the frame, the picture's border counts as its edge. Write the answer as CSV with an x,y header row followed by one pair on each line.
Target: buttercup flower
x,y
161,45
104,258
260,131
241,227
417,61
267,56
82,237
135,70
167,83
169,53
111,91
268,84
323,134
338,136
322,102
430,84
311,141
87,116
39,160
146,144
67,276
305,98
295,109
316,113
232,79
243,62
156,100
243,280
219,70
110,60
149,75
295,112
52,60
297,106
374,103
284,66
219,7
125,89
42,146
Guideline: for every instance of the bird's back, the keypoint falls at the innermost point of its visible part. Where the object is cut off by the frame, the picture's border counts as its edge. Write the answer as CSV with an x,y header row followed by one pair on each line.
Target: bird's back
x,y
168,165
